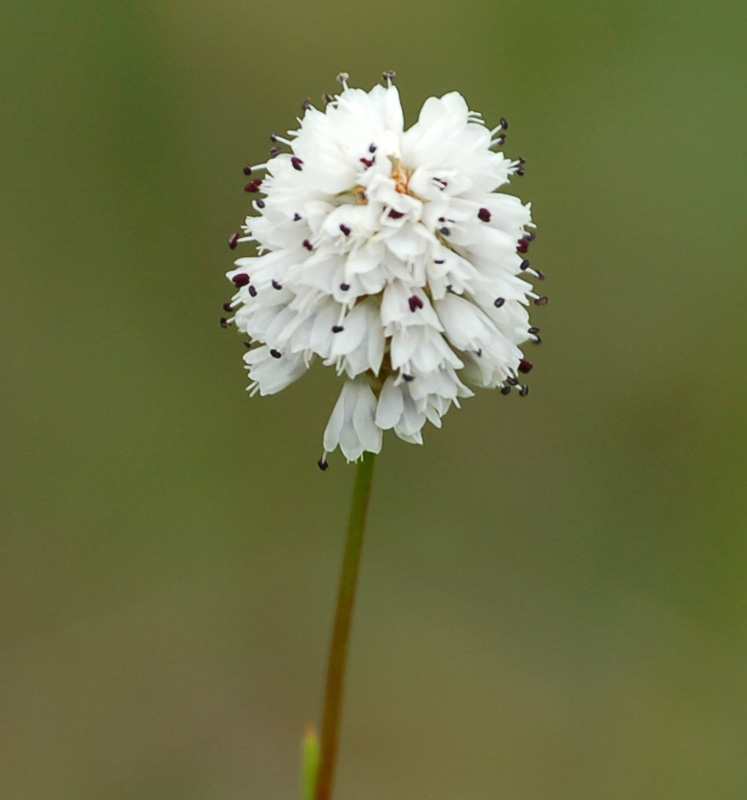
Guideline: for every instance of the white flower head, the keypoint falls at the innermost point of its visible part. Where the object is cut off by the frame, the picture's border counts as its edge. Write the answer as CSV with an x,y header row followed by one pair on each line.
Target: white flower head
x,y
390,255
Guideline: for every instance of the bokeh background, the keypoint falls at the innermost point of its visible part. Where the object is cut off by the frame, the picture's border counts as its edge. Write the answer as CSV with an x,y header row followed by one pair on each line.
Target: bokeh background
x,y
553,599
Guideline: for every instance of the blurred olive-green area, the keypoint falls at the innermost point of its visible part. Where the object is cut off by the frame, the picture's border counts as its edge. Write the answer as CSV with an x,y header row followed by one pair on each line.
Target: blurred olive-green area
x,y
553,602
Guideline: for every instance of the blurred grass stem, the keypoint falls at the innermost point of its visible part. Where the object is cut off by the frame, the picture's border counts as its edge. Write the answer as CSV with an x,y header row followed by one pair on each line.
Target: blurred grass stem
x,y
341,633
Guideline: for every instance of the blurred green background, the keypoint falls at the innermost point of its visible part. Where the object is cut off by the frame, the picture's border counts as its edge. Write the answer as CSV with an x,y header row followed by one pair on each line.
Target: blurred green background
x,y
553,599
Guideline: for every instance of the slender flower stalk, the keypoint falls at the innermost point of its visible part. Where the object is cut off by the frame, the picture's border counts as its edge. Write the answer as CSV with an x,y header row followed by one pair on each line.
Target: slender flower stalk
x,y
338,650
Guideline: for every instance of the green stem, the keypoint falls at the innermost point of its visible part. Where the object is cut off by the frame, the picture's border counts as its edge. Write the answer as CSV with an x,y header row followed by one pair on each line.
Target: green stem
x,y
341,633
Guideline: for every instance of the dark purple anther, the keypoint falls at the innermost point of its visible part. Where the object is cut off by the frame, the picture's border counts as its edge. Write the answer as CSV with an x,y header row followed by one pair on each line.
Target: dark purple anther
x,y
223,322
444,231
520,171
307,244
297,163
501,140
247,170
227,308
253,186
233,240
253,291
306,105
506,390
534,330
408,378
322,464
542,301
276,285
275,354
540,275
275,152
369,162
524,265
296,217
344,287
240,280
415,303
484,215
525,366
524,391
504,123
499,301
260,203
337,329
523,245
396,214
372,148
345,230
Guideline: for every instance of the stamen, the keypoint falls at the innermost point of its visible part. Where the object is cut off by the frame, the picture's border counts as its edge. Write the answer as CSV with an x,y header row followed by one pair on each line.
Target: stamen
x,y
369,162
344,287
542,301
499,301
524,265
276,285
396,214
337,329
372,148
504,123
484,215
505,390
533,330
407,377
276,354
275,152
306,105
224,323
247,170
415,303
444,231
522,245
233,240
242,279
253,186
342,78
259,203
389,76
296,217
307,244
345,230
297,163
253,291
525,366
524,391
322,464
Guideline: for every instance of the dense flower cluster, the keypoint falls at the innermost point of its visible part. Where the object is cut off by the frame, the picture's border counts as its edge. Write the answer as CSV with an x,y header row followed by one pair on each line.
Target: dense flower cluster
x,y
388,254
